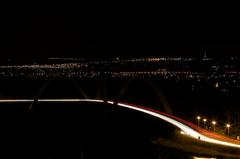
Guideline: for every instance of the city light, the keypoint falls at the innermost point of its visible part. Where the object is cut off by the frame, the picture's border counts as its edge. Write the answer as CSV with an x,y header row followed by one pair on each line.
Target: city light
x,y
198,118
214,123
85,68
228,128
204,120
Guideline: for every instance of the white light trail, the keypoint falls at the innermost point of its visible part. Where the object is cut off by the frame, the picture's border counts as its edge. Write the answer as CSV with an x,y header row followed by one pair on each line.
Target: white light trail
x,y
15,100
70,100
186,129
49,100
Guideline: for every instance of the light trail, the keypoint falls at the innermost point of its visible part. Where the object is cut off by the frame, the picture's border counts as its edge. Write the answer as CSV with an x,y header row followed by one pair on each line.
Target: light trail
x,y
70,100
48,100
15,100
186,130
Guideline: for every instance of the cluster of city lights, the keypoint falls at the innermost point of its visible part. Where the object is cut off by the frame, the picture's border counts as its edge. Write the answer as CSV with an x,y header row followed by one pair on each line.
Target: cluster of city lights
x,y
222,76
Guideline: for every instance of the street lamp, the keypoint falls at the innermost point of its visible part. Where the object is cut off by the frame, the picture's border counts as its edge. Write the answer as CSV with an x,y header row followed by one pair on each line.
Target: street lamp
x,y
204,120
228,128
214,123
198,118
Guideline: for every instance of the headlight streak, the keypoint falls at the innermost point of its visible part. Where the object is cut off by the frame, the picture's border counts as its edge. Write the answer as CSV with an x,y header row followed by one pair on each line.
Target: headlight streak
x,y
48,100
70,100
15,100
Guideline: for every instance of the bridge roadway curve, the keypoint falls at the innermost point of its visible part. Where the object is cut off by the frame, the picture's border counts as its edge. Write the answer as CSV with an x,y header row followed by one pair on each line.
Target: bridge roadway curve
x,y
187,129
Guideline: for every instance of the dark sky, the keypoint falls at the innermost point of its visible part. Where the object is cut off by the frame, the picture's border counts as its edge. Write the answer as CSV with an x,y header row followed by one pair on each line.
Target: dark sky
x,y
67,28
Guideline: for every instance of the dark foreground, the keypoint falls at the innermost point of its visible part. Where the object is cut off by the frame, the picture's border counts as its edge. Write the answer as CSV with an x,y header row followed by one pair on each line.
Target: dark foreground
x,y
80,130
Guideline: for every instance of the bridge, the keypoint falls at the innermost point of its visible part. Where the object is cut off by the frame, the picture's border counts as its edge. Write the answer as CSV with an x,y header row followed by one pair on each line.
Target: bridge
x,y
190,137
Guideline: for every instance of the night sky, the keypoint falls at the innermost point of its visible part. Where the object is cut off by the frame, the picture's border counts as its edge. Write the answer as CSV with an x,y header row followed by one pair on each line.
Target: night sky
x,y
71,29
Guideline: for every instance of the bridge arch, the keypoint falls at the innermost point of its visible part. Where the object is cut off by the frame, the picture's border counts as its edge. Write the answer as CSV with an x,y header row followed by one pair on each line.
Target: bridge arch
x,y
102,92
